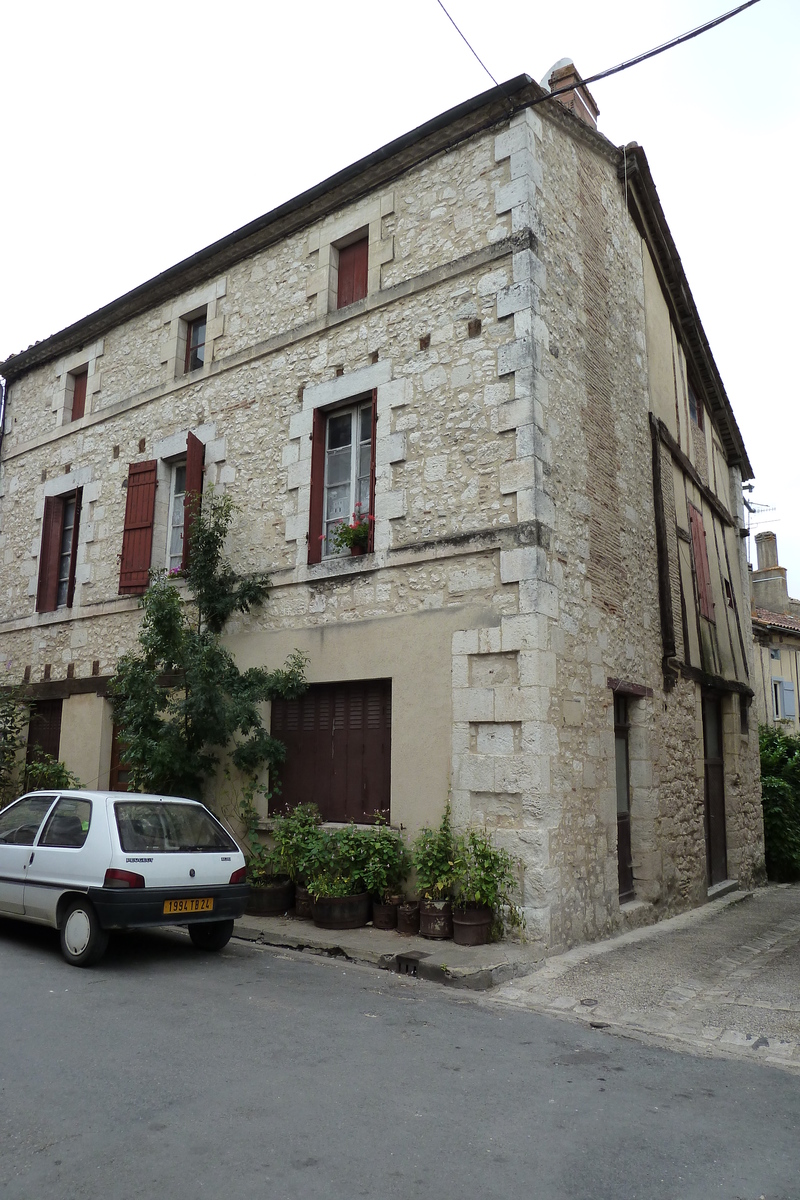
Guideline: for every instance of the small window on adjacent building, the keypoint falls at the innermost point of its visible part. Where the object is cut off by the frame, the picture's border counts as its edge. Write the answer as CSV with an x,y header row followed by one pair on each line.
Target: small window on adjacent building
x,y
195,343
775,654
695,409
353,262
79,379
58,554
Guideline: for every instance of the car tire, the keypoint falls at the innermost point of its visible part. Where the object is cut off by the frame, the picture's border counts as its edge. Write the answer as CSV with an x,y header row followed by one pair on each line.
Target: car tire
x,y
211,935
83,941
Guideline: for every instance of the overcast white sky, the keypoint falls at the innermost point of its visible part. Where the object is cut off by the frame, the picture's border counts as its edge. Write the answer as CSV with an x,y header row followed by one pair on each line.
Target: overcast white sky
x,y
134,135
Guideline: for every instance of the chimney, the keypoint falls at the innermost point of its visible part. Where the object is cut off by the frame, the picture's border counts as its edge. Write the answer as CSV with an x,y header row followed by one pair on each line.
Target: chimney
x,y
580,100
766,550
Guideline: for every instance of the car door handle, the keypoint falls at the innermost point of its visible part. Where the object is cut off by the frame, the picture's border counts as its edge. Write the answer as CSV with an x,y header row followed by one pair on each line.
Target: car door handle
x,y
30,860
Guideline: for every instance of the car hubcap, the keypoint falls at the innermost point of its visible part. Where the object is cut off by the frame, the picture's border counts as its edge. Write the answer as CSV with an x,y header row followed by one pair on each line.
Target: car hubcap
x,y
77,931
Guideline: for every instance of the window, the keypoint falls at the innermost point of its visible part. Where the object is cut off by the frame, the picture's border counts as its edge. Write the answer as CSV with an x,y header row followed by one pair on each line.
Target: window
x,y
186,484
177,495
68,824
79,380
744,714
58,554
352,281
624,856
338,748
783,700
775,654
20,823
701,568
119,773
195,343
44,730
695,409
342,472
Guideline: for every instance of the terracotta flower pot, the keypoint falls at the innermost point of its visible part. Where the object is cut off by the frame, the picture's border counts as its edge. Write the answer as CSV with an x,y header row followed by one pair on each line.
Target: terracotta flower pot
x,y
356,550
271,898
472,926
408,918
342,912
436,918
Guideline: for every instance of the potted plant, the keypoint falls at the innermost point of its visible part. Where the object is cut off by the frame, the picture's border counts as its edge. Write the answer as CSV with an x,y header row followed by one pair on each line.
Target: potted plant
x,y
341,898
433,857
271,887
355,536
298,840
408,917
484,881
385,871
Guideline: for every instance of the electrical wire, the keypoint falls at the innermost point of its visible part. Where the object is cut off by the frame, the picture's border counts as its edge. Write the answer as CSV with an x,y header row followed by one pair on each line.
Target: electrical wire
x,y
623,66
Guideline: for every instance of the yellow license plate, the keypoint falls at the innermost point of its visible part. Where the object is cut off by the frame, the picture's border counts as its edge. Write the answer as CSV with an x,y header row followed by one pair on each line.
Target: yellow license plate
x,y
172,907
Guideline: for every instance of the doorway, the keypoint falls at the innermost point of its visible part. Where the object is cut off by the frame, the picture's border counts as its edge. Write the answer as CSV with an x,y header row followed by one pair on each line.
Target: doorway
x,y
716,846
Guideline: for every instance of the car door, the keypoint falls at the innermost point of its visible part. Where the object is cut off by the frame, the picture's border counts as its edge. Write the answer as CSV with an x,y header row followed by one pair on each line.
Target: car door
x,y
19,825
68,856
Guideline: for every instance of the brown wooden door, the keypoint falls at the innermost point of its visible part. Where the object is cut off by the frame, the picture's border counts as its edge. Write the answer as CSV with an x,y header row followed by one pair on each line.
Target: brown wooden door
x,y
338,749
44,729
716,847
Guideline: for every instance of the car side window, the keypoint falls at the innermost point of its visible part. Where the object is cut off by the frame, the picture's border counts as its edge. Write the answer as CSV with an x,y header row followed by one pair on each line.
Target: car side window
x,y
68,824
20,823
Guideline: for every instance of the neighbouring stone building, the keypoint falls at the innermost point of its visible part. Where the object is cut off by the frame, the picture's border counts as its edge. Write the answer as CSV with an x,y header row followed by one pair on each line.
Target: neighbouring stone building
x,y
776,630
483,332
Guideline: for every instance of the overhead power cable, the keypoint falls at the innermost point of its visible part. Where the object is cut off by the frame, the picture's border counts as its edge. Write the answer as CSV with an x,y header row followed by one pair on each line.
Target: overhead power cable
x,y
623,66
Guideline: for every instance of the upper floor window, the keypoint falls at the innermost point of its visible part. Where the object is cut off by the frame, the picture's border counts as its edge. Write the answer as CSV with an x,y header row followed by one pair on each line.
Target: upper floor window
x,y
342,473
78,380
58,554
175,522
352,281
695,409
195,343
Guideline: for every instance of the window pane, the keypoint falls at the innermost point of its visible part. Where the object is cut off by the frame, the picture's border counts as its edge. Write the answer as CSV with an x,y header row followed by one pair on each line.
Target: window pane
x,y
365,417
338,503
150,828
340,430
68,824
621,755
198,332
20,823
176,516
338,465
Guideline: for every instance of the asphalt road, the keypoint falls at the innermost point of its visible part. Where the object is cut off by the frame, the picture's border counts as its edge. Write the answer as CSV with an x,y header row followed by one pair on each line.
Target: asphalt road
x,y
165,1073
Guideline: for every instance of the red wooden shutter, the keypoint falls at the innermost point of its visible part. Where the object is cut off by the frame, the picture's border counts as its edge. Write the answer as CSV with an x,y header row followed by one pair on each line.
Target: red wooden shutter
x,y
371,539
353,261
79,395
701,568
73,557
52,525
317,487
137,537
195,452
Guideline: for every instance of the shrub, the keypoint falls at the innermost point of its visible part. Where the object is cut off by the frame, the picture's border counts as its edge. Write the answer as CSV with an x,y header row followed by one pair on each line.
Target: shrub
x,y
485,875
433,856
780,799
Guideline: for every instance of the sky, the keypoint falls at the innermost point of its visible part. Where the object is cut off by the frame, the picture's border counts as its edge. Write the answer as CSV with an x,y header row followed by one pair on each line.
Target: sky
x,y
134,135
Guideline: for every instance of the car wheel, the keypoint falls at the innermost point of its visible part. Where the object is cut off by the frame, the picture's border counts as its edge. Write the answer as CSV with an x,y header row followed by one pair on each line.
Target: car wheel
x,y
83,942
211,935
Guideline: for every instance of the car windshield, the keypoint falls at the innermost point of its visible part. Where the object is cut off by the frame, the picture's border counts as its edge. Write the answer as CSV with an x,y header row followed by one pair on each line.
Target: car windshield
x,y
149,827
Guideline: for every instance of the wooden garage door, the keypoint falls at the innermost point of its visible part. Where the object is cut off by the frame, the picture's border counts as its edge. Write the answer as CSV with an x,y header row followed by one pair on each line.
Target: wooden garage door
x,y
338,749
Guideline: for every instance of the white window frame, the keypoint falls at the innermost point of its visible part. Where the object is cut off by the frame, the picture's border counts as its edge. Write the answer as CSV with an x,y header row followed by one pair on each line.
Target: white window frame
x,y
174,467
354,411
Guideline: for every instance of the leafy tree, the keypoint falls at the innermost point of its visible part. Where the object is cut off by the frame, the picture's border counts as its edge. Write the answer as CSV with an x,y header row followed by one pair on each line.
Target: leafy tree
x,y
180,700
780,799
13,719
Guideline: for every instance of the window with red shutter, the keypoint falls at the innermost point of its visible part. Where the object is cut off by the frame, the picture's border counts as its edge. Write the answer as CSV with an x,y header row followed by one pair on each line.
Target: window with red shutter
x,y
342,473
353,261
58,553
137,537
701,567
79,394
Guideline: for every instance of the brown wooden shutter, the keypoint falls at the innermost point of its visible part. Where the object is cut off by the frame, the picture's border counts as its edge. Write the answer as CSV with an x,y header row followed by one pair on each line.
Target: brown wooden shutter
x,y
79,395
44,730
317,487
701,567
195,452
371,539
52,525
73,557
353,262
137,538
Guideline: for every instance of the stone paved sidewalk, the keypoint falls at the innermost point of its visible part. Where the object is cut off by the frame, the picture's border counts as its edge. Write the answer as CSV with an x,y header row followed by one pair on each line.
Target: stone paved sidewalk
x,y
722,979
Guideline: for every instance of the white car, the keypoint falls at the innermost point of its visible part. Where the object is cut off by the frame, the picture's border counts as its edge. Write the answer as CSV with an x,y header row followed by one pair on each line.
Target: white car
x,y
89,862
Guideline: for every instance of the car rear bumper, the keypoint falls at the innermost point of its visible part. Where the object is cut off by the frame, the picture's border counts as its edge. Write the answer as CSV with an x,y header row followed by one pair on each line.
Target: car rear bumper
x,y
125,908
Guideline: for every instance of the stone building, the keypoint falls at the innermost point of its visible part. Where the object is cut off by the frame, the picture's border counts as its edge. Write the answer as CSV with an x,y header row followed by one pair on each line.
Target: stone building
x,y
776,631
483,332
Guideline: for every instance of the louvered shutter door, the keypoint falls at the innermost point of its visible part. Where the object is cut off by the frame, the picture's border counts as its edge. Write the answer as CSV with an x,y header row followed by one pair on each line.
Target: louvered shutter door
x,y
371,539
701,567
52,522
137,537
195,452
317,487
788,699
79,395
352,282
73,557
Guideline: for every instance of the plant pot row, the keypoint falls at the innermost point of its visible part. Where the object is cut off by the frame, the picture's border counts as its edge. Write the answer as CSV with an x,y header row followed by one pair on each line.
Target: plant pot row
x,y
435,919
